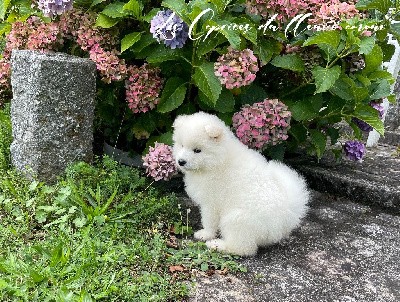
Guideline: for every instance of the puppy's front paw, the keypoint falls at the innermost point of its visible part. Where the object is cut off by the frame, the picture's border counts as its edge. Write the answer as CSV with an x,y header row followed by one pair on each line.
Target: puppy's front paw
x,y
216,244
204,235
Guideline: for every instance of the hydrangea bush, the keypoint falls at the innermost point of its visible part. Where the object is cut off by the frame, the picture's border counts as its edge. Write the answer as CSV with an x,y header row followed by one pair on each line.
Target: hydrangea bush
x,y
285,74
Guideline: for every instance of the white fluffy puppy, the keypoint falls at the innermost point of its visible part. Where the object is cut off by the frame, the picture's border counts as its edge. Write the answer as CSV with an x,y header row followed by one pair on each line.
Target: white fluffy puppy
x,y
251,201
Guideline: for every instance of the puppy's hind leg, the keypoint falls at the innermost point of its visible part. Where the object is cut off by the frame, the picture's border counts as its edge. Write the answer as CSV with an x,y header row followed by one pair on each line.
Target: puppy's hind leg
x,y
236,245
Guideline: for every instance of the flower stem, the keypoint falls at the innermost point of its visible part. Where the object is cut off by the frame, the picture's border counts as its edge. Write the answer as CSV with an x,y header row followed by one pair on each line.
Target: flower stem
x,y
192,63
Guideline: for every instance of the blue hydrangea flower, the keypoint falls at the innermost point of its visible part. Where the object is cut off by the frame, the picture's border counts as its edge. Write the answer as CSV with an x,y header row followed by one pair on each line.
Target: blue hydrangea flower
x,y
354,150
52,8
363,125
166,26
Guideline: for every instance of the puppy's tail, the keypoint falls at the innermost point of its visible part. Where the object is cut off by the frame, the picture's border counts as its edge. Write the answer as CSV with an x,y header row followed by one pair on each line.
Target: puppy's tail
x,y
295,187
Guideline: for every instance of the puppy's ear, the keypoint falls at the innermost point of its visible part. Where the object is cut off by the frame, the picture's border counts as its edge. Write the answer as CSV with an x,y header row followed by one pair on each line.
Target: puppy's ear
x,y
214,131
179,121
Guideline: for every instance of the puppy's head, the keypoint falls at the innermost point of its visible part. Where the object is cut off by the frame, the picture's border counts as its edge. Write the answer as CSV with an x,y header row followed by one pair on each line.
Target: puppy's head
x,y
199,142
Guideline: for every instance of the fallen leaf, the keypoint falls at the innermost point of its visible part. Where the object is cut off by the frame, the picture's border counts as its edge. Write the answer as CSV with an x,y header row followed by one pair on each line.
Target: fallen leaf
x,y
176,268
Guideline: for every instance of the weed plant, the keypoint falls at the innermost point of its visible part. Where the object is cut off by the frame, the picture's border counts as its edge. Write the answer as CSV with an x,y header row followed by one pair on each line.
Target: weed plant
x,y
99,234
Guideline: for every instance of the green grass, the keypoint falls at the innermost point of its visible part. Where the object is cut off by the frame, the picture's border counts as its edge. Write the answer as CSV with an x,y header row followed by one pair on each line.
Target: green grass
x,y
5,138
99,234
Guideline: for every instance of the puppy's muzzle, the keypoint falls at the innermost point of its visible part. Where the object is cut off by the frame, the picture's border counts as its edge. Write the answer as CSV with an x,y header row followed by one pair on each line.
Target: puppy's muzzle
x,y
182,162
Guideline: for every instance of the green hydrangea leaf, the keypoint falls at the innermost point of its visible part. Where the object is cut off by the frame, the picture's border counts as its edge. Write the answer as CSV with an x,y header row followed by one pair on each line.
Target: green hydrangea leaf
x,y
129,40
381,5
105,21
292,62
266,49
4,5
379,89
220,4
233,36
369,115
325,78
299,132
225,102
391,98
252,94
318,140
179,7
366,45
209,45
96,2
144,41
161,53
249,32
329,37
134,7
373,60
150,15
306,109
208,83
347,89
173,95
115,10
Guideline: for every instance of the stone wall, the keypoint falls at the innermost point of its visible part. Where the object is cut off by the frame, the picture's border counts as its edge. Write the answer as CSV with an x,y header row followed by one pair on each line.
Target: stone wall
x,y
52,112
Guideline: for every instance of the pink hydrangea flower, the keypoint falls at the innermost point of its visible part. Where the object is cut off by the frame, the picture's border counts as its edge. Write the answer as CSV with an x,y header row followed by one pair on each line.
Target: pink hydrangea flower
x,y
16,38
143,87
80,26
330,14
159,162
33,34
262,123
44,37
326,13
110,67
286,9
236,68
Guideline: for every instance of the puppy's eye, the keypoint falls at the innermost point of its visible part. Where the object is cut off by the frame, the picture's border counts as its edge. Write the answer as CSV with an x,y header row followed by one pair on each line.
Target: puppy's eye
x,y
196,150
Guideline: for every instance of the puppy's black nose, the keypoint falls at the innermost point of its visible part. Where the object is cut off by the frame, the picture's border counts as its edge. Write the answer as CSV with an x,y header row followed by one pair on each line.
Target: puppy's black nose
x,y
182,162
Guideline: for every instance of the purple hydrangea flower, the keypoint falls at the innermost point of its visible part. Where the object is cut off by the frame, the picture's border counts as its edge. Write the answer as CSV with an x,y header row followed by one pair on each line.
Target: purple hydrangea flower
x,y
379,107
159,162
168,27
363,125
52,8
354,150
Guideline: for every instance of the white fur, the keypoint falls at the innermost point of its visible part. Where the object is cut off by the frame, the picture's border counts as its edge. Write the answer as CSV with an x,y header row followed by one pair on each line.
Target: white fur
x,y
251,201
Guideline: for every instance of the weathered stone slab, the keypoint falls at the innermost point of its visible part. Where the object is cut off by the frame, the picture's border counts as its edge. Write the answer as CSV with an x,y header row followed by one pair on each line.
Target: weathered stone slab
x,y
343,251
52,111
376,180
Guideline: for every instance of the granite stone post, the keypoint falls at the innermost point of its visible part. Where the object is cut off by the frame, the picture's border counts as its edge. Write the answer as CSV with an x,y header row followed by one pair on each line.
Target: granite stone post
x,y
52,112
